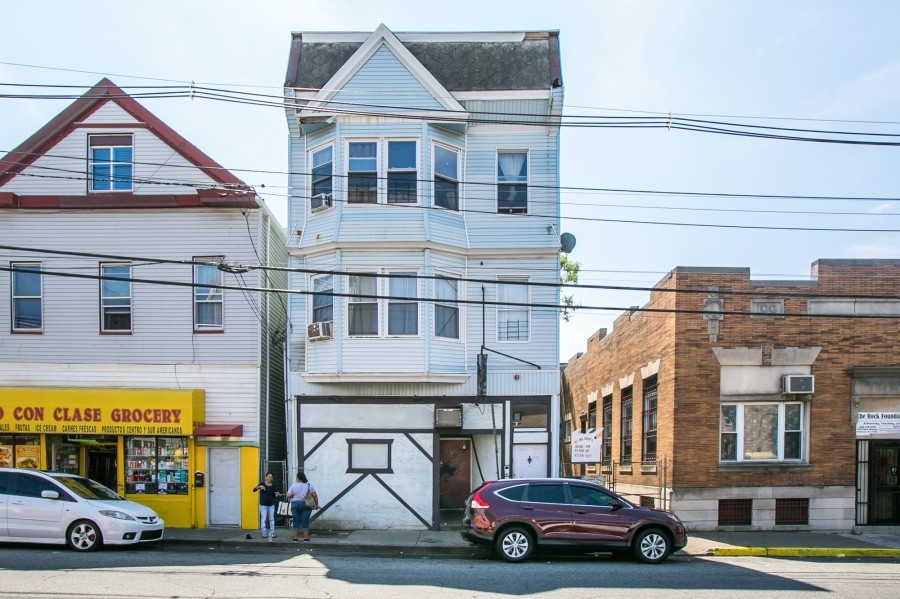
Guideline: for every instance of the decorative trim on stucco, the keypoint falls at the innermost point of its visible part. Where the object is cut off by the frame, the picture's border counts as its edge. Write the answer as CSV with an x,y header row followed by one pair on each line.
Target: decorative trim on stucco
x,y
738,356
795,356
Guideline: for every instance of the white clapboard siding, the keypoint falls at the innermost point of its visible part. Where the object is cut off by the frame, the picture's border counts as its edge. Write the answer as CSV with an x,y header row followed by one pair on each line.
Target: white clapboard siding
x,y
162,314
110,113
230,391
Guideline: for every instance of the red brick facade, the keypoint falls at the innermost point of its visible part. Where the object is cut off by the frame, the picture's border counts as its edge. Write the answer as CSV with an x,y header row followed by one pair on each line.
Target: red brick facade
x,y
695,313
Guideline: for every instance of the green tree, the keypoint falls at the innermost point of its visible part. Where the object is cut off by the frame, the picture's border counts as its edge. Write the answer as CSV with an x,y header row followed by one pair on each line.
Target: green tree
x,y
568,274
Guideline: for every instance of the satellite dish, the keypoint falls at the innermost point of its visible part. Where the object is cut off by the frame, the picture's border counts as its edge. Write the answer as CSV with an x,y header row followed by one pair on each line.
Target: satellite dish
x,y
567,242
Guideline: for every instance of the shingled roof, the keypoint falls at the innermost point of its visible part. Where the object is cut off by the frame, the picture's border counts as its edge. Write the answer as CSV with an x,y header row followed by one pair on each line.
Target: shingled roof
x,y
531,63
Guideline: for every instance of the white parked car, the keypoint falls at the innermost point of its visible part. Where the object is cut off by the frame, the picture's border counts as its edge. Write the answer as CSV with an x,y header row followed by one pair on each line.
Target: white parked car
x,y
59,508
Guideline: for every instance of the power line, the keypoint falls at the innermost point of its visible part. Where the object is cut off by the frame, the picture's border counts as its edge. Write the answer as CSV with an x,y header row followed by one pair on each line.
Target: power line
x,y
238,268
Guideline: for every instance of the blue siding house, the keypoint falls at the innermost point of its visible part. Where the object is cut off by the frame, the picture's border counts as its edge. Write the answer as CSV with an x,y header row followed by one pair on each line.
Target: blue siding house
x,y
423,241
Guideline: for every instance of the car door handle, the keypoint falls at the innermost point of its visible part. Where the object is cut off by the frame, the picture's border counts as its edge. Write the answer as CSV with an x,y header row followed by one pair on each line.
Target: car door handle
x,y
527,507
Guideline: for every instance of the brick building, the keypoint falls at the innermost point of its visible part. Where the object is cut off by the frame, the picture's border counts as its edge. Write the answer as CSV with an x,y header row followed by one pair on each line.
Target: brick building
x,y
765,404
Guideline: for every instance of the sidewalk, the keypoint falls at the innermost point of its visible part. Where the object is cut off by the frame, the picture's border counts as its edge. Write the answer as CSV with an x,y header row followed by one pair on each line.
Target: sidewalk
x,y
875,543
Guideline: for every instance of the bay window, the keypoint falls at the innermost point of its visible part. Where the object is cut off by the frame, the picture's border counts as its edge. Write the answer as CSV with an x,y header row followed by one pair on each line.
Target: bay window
x,y
322,176
446,178
362,177
446,307
362,305
403,309
323,298
402,177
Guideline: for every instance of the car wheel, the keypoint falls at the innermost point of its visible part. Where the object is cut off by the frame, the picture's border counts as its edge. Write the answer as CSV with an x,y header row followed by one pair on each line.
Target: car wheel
x,y
84,535
651,546
514,544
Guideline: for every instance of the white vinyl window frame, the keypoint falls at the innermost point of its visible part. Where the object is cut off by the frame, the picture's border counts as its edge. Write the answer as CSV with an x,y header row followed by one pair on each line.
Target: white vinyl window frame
x,y
209,297
448,289
763,432
321,172
111,162
116,301
26,297
513,168
401,176
362,289
397,290
445,186
322,300
513,319
381,168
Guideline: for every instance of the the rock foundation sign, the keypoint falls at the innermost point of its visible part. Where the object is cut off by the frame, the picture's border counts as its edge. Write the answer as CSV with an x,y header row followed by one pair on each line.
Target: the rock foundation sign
x,y
877,423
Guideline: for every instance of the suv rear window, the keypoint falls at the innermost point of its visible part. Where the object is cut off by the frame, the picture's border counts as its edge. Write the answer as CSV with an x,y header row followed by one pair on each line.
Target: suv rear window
x,y
513,493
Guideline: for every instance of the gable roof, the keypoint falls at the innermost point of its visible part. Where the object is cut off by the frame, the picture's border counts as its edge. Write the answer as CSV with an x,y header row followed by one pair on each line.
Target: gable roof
x,y
499,61
106,91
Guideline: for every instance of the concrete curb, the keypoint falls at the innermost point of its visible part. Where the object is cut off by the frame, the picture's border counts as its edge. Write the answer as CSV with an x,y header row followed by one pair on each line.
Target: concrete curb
x,y
803,552
321,546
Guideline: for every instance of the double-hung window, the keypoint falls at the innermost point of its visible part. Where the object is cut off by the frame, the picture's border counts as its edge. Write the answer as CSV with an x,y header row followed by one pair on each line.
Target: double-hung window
x,y
115,298
322,187
362,305
512,311
323,298
446,178
650,420
446,307
112,162
402,176
362,176
403,309
607,429
512,182
626,427
764,431
208,299
27,297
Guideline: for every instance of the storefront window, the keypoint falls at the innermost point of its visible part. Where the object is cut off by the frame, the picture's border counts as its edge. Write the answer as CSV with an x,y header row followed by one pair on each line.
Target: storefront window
x,y
20,451
156,465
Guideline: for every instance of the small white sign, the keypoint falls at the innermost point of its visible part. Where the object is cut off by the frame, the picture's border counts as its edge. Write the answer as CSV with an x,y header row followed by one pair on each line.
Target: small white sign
x,y
586,446
877,423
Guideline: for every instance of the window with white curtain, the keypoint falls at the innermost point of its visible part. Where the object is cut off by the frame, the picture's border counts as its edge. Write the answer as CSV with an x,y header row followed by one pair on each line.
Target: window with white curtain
x,y
513,312
362,305
446,307
512,182
208,299
771,431
403,309
446,178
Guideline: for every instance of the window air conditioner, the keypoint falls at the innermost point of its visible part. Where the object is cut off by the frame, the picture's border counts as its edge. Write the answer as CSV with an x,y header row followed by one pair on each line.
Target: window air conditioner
x,y
448,417
797,383
318,331
321,201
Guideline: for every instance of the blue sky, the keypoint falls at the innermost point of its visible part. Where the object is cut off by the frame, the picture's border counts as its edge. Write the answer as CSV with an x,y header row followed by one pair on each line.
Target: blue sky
x,y
834,63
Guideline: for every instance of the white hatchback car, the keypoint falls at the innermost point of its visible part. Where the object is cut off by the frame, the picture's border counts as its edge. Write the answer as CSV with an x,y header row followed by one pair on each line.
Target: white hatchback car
x,y
59,508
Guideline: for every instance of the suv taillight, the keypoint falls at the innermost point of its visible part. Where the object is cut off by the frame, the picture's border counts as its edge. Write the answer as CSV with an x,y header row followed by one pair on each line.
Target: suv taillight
x,y
478,503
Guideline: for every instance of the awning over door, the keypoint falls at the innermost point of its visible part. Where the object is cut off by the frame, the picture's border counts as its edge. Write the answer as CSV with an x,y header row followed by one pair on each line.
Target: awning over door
x,y
219,430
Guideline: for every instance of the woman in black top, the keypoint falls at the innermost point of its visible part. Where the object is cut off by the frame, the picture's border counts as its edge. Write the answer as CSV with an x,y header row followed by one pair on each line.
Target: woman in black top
x,y
267,497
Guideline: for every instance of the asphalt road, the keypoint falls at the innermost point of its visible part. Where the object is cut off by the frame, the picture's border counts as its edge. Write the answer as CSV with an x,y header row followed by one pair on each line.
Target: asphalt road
x,y
158,572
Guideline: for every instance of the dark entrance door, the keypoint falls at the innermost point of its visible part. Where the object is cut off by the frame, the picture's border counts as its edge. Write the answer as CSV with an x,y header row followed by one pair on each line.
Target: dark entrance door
x,y
102,466
455,473
884,506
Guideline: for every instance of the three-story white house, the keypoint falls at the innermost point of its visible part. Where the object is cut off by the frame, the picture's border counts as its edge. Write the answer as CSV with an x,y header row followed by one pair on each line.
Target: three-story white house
x,y
423,239
139,346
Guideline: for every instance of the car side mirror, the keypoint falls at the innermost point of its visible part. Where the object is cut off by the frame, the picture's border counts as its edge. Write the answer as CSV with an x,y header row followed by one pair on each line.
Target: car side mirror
x,y
50,494
616,504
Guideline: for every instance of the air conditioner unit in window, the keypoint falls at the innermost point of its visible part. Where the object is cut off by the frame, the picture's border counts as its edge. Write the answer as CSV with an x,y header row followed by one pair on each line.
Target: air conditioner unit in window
x,y
318,331
797,383
448,417
321,201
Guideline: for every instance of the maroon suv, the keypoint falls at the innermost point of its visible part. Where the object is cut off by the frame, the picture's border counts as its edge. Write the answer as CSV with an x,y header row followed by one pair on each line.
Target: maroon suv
x,y
517,515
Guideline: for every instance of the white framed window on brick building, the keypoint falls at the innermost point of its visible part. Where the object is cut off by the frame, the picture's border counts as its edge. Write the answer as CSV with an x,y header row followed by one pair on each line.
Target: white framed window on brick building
x,y
762,432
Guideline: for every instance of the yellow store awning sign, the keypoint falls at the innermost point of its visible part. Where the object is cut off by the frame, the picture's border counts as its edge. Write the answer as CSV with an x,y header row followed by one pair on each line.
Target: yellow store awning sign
x,y
101,411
